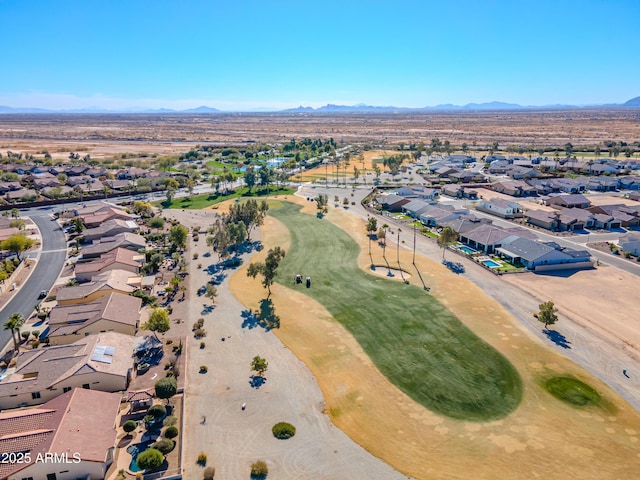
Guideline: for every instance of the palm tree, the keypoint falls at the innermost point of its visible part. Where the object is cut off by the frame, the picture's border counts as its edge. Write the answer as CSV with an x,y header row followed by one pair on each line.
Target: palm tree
x,y
16,320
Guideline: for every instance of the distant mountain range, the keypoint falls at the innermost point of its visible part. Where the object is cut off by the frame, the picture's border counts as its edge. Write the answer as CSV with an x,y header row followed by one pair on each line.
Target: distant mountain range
x,y
330,108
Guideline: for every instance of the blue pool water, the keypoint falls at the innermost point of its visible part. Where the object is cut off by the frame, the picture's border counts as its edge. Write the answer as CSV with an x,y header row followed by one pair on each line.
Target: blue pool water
x,y
134,451
467,250
491,263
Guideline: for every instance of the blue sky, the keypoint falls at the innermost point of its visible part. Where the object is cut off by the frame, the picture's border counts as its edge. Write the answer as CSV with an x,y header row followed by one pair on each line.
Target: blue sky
x,y
249,54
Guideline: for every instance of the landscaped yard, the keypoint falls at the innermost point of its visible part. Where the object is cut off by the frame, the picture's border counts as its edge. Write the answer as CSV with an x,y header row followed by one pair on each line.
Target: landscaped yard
x,y
197,202
411,337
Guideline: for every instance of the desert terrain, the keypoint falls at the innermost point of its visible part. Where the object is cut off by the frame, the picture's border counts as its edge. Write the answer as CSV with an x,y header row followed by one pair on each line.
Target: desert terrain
x,y
103,135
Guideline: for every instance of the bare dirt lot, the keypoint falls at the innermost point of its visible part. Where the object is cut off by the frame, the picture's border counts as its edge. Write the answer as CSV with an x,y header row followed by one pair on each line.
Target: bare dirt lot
x,y
542,438
108,134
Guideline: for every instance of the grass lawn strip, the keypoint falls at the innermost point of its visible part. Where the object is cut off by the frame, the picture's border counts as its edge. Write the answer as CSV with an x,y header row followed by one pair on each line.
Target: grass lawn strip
x,y
410,336
197,202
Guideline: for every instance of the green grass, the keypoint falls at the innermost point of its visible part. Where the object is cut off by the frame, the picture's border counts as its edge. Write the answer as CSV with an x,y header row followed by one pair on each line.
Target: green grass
x,y
417,343
196,202
572,391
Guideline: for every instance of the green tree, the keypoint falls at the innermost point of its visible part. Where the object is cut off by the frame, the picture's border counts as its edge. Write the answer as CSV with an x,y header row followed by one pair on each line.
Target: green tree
x,y
15,213
259,365
446,238
17,244
144,209
178,236
150,459
159,321
129,426
547,314
250,178
78,225
166,388
211,292
322,202
267,268
15,322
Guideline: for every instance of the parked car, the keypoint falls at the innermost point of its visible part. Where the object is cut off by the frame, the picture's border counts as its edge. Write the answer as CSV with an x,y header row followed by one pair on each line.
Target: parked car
x,y
43,294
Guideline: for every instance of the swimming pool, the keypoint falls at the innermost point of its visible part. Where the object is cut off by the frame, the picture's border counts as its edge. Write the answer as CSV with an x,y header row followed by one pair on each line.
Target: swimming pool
x,y
134,451
491,263
467,250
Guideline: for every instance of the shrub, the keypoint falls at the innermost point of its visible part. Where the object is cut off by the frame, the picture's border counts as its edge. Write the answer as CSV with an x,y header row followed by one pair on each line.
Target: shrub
x,y
164,446
165,388
204,369
199,266
35,344
36,333
202,459
169,421
200,333
195,256
26,334
171,432
283,430
202,345
150,459
129,426
169,341
209,473
157,411
198,324
259,469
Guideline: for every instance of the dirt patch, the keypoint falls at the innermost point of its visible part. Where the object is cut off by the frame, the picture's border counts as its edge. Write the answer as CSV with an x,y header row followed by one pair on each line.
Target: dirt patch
x,y
543,437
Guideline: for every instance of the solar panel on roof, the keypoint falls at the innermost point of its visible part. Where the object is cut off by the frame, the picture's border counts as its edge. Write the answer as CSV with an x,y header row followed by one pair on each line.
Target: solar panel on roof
x,y
109,350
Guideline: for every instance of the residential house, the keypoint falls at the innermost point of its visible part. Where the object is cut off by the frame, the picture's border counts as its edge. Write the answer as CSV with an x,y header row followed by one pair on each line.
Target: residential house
x,y
113,312
102,214
444,172
90,188
602,184
392,203
112,281
574,219
76,170
521,173
110,228
568,201
119,184
117,259
415,207
131,173
458,191
500,207
629,183
569,185
630,243
600,169
515,188
24,194
486,237
544,219
57,192
417,191
538,256
465,176
78,428
98,362
608,222
131,241
627,216
79,180
9,187
464,223
441,213
634,196
498,167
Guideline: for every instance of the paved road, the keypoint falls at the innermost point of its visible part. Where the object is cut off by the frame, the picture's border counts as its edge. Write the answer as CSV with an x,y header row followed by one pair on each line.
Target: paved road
x,y
50,263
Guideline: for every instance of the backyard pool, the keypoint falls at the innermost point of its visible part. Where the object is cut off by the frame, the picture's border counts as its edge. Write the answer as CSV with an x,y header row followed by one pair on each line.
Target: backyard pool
x,y
134,451
491,263
467,250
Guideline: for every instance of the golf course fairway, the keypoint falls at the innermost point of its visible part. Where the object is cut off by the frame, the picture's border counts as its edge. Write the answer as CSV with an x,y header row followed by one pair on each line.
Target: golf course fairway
x,y
417,343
